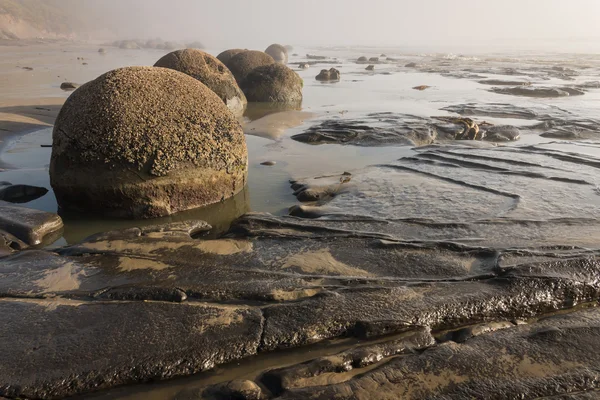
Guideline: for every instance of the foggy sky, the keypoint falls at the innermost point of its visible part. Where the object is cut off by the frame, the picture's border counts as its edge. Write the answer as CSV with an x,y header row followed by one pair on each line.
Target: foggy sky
x,y
256,23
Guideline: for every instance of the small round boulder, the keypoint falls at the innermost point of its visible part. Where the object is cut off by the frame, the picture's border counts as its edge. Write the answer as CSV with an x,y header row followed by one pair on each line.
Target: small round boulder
x,y
144,142
243,63
211,72
278,52
274,83
227,55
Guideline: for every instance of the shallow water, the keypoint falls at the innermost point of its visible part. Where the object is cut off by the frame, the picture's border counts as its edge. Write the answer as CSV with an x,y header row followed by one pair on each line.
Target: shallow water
x,y
388,89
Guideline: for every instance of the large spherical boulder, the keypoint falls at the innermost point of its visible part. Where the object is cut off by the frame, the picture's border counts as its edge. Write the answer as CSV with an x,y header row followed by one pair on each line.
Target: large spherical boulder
x,y
243,63
274,83
227,55
210,71
278,52
142,142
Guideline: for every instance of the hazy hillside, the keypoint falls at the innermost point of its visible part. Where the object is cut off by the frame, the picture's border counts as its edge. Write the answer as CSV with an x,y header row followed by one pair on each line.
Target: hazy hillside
x,y
27,19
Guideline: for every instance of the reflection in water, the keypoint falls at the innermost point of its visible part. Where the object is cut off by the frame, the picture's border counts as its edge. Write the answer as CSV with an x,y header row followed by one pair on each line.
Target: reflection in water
x,y
219,216
256,111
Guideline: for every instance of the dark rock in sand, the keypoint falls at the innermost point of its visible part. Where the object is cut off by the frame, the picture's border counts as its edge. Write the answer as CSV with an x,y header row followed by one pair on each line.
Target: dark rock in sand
x,y
268,163
278,52
533,91
274,83
101,50
370,68
315,57
330,75
234,390
20,193
69,86
143,142
28,225
374,59
211,72
362,59
245,62
304,65
227,55
411,65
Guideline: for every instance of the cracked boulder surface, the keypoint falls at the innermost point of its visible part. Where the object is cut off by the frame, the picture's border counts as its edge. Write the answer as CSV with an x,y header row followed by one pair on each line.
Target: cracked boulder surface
x,y
144,142
211,72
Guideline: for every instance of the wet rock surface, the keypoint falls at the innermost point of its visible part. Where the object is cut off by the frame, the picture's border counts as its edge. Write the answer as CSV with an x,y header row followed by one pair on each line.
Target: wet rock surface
x,y
28,225
20,193
381,129
470,241
328,75
531,91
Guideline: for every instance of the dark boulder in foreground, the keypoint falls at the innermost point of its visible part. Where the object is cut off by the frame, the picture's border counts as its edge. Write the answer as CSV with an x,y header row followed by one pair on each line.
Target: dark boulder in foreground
x,y
329,75
278,52
245,62
143,142
211,72
274,83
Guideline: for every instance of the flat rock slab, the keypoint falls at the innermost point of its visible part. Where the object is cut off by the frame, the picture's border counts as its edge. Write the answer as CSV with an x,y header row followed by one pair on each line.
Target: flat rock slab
x,y
28,225
530,196
52,349
450,237
548,358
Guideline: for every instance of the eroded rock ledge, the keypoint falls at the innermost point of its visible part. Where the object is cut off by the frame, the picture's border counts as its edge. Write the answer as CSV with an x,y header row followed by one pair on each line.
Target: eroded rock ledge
x,y
444,262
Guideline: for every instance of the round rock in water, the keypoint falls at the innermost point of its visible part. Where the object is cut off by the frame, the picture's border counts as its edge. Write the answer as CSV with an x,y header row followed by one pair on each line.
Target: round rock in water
x,y
227,55
278,52
211,72
243,63
142,142
273,83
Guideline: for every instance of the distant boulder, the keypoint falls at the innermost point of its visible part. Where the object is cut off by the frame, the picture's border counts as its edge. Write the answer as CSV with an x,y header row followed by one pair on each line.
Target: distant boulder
x,y
195,45
274,83
374,59
101,50
370,68
227,55
362,59
278,52
145,142
243,63
329,75
128,45
211,72
303,65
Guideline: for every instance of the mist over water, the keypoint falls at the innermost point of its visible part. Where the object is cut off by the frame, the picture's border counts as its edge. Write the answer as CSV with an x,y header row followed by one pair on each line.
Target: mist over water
x,y
428,25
